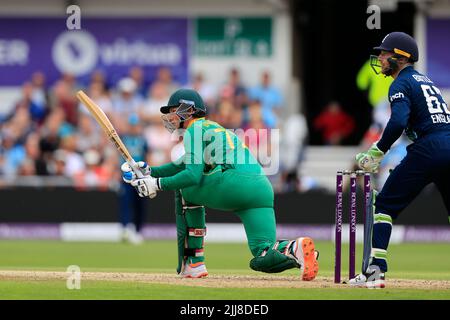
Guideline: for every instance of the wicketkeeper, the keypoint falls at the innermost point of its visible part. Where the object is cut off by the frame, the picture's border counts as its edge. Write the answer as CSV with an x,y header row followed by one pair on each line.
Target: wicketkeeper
x,y
419,110
218,171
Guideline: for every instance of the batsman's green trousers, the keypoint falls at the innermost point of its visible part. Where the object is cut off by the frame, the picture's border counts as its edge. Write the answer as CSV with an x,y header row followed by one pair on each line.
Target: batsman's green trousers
x,y
249,195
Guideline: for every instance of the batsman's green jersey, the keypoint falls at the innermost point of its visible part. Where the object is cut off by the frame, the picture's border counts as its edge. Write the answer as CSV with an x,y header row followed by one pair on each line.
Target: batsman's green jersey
x,y
218,171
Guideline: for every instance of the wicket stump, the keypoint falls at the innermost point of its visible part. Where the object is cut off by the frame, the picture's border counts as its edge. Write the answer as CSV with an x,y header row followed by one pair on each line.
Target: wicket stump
x,y
352,219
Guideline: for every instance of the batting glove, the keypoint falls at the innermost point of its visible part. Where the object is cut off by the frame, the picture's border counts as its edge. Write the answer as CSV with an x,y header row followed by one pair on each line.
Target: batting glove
x,y
128,174
370,160
146,187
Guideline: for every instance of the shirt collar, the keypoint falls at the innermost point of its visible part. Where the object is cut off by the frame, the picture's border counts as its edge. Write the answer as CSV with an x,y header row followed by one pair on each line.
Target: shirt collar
x,y
409,68
195,120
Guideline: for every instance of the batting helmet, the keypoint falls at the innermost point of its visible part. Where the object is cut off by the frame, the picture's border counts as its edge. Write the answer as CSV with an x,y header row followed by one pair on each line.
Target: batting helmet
x,y
185,96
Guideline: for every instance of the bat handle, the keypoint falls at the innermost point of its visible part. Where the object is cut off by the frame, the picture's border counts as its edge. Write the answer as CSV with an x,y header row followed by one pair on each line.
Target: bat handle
x,y
133,164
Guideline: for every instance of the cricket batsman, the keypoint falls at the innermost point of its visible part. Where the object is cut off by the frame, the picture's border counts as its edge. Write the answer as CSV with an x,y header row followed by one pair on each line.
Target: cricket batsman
x,y
417,108
218,171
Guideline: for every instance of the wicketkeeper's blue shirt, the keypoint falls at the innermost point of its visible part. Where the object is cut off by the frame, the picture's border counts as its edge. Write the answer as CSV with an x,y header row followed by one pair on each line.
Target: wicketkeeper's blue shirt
x,y
417,107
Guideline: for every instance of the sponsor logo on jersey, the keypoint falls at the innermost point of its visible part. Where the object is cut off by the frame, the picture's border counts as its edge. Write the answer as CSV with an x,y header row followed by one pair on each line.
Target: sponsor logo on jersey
x,y
398,95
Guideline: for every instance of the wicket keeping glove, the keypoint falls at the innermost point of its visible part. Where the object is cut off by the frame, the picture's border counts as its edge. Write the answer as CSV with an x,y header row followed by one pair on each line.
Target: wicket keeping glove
x,y
370,160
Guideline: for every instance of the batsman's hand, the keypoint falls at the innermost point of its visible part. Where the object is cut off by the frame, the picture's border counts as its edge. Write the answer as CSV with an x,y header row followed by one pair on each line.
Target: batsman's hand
x,y
370,160
128,175
146,186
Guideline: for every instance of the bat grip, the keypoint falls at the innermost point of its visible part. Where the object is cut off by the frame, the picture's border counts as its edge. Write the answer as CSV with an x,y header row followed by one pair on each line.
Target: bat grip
x,y
135,167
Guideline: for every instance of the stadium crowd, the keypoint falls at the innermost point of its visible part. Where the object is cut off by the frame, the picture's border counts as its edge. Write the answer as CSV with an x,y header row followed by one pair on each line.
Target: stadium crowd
x,y
49,133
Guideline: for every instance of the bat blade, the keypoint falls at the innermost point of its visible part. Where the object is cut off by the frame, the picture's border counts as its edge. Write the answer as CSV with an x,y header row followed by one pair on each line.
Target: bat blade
x,y
109,130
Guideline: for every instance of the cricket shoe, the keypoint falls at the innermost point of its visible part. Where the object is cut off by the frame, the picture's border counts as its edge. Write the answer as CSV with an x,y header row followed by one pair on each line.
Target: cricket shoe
x,y
372,280
306,255
194,270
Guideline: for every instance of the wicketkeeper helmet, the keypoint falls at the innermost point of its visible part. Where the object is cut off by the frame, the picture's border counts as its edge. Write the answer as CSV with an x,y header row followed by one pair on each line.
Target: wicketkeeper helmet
x,y
402,44
399,43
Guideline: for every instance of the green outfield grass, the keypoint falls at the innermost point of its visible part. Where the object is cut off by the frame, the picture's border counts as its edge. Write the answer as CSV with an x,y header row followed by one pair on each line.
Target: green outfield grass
x,y
407,261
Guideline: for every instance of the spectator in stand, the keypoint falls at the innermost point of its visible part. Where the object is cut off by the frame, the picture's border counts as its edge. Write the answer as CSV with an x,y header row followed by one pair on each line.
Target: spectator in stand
x,y
51,132
26,105
255,116
99,95
227,114
40,96
161,142
14,134
164,75
137,74
158,96
13,154
57,163
74,161
94,175
98,77
125,103
224,110
57,120
206,90
33,163
20,125
235,89
334,124
88,135
111,160
27,168
271,99
257,134
64,96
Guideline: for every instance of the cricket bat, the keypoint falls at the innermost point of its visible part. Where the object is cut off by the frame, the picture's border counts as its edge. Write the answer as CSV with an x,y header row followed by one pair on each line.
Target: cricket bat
x,y
109,130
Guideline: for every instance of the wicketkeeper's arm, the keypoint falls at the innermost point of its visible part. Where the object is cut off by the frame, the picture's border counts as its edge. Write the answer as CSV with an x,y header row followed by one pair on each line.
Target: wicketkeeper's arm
x,y
395,126
400,111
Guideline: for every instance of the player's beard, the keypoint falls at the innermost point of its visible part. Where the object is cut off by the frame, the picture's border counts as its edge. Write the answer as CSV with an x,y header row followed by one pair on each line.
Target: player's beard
x,y
386,67
392,66
388,71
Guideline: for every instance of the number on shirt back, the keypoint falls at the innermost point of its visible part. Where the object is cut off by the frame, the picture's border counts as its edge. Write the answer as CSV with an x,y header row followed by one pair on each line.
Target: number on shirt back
x,y
431,94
